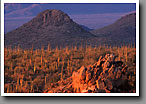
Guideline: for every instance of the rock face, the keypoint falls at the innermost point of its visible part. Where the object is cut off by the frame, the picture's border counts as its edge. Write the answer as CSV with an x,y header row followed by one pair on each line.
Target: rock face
x,y
52,18
105,76
50,26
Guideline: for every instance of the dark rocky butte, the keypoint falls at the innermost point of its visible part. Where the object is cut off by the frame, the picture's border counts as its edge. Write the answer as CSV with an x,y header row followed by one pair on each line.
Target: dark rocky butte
x,y
50,26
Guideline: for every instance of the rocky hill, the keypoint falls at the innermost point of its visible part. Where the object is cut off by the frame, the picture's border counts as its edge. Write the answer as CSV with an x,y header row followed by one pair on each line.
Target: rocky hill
x,y
124,28
50,26
105,76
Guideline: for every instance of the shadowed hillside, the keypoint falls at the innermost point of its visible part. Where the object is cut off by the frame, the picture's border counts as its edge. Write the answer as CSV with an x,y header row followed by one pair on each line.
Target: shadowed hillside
x,y
50,26
124,28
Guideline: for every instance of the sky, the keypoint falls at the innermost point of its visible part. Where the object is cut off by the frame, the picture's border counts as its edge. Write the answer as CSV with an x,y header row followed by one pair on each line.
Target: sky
x,y
94,8
91,15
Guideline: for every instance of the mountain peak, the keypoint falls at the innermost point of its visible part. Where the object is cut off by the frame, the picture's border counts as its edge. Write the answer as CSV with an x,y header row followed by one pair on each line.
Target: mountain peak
x,y
50,26
51,17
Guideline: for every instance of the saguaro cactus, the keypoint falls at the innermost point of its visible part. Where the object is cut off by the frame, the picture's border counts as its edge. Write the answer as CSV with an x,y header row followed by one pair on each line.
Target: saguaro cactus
x,y
62,70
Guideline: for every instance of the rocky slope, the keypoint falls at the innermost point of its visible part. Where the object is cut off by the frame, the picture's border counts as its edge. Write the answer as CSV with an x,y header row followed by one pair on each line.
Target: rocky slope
x,y
124,28
105,76
50,26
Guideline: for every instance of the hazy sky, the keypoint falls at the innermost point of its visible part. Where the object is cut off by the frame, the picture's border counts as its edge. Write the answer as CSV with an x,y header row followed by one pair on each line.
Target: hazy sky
x,y
82,8
91,15
94,8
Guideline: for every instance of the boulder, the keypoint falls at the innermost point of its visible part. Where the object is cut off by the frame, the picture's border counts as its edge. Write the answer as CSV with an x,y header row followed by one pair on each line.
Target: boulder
x,y
100,84
111,58
84,91
82,73
109,85
76,81
99,61
118,74
106,65
92,88
88,76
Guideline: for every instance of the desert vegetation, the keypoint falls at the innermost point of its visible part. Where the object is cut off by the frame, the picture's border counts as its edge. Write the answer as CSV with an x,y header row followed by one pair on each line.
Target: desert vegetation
x,y
34,71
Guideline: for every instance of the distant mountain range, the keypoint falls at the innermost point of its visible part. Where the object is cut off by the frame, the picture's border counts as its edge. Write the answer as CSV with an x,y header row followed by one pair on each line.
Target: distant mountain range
x,y
58,29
